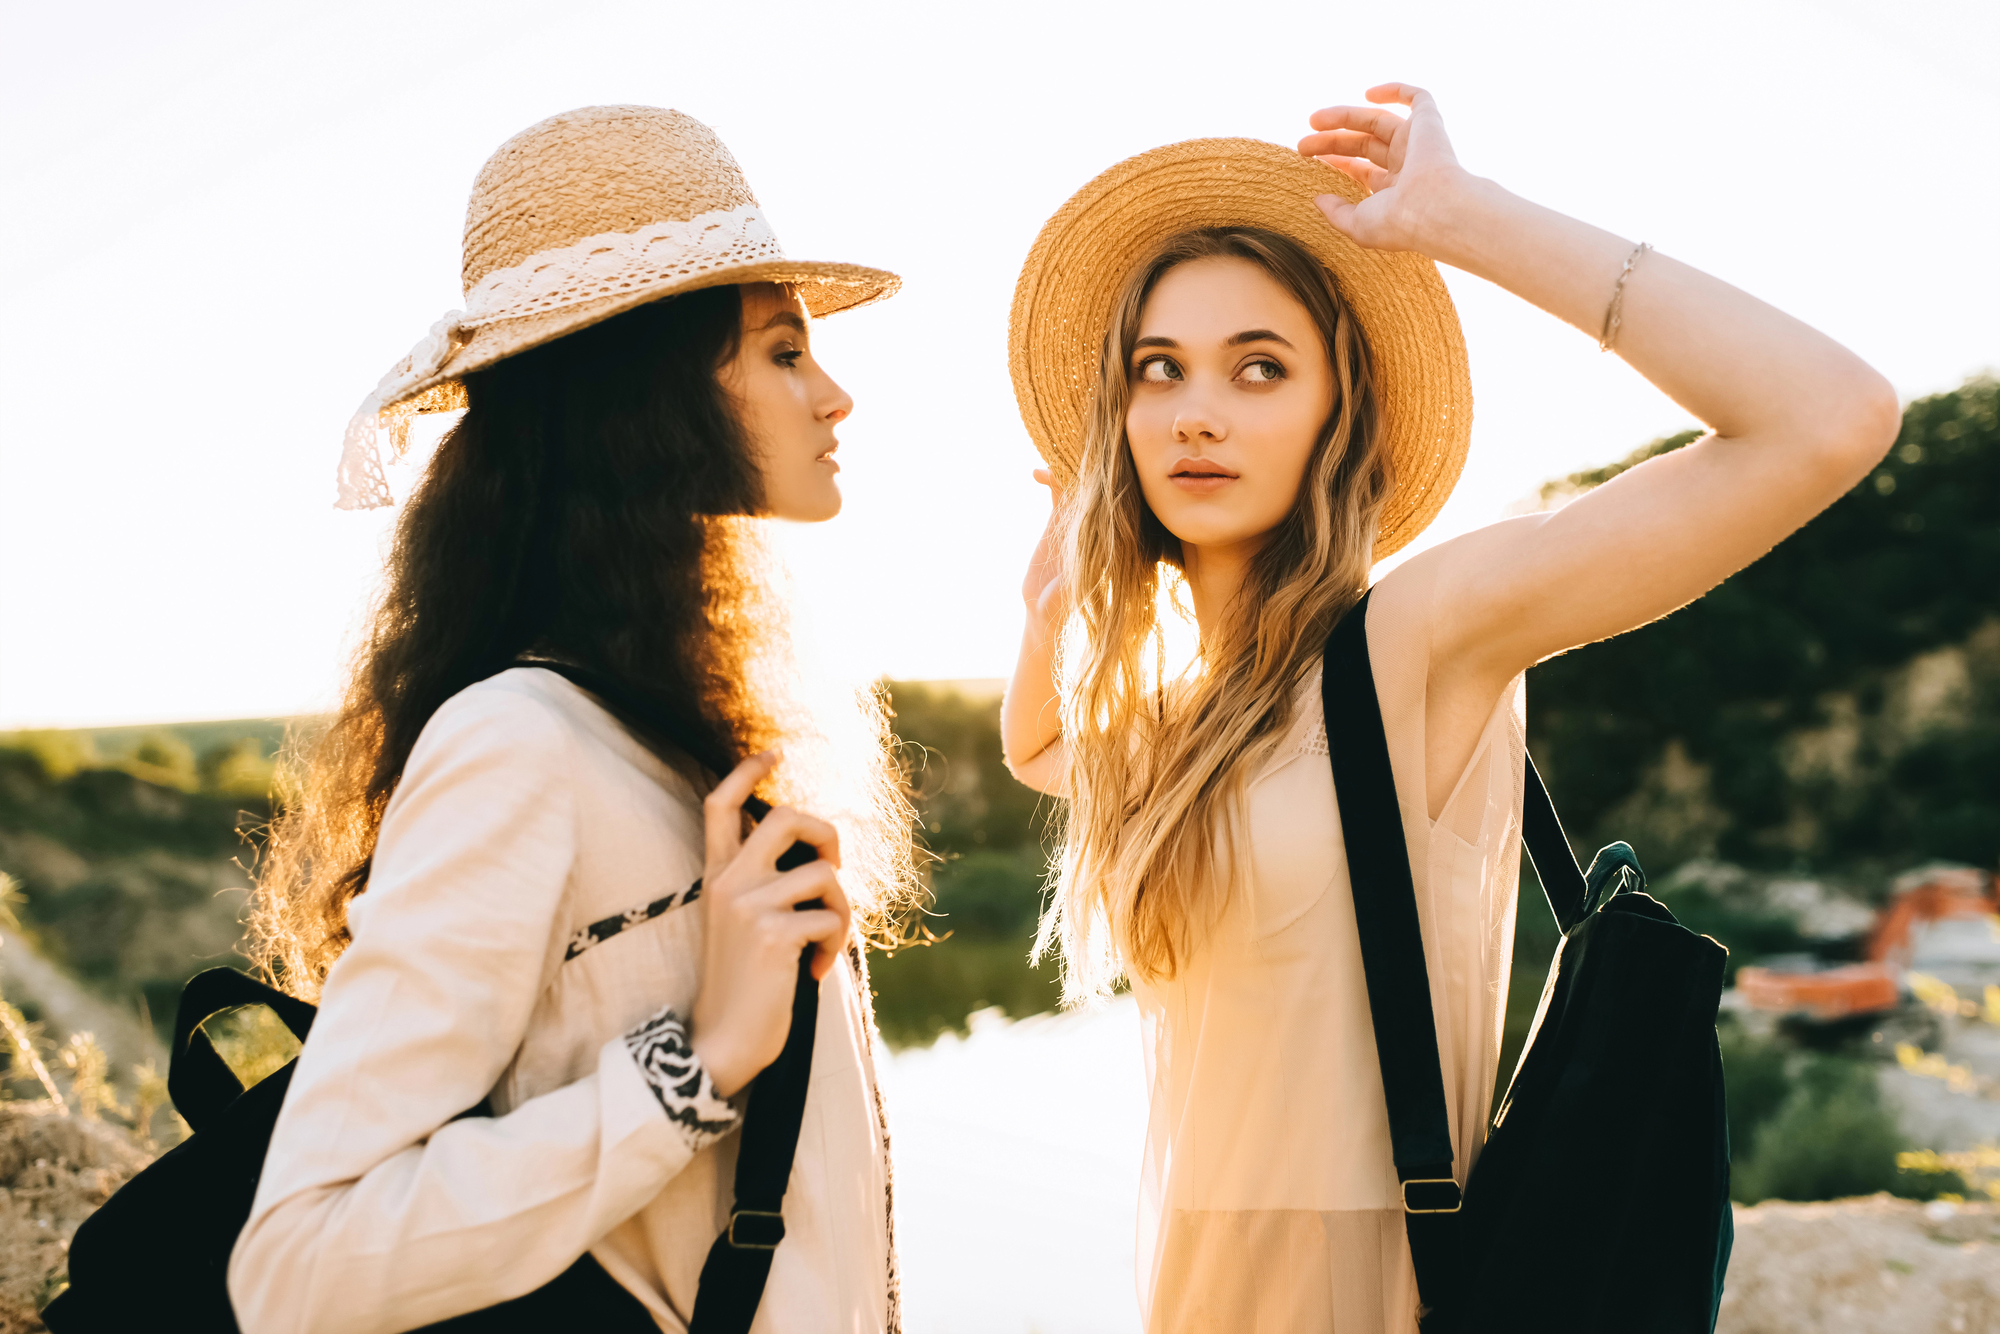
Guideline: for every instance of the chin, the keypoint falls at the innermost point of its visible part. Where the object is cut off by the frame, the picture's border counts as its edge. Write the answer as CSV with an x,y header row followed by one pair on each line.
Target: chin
x,y
819,508
1204,531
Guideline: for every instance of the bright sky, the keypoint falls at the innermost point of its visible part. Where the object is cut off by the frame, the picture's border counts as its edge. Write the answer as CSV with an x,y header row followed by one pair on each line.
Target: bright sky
x,y
224,221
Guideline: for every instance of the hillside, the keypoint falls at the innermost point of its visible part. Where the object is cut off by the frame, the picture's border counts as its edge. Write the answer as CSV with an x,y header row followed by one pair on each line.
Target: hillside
x,y
1835,707
129,846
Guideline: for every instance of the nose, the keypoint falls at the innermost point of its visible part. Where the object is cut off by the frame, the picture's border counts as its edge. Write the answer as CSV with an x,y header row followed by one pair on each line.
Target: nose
x,y
835,404
1195,423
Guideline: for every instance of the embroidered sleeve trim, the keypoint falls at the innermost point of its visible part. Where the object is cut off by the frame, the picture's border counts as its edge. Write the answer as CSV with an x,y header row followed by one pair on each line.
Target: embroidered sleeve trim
x,y
671,1069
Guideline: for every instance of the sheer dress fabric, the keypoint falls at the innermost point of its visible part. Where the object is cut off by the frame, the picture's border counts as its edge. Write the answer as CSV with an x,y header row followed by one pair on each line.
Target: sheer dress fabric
x,y
1269,1202
526,812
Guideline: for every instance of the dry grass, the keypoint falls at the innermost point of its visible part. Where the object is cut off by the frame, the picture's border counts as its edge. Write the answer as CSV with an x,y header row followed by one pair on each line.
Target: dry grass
x,y
55,1170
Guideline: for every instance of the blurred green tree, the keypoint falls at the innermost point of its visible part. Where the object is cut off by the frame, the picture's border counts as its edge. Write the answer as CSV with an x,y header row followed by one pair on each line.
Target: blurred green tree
x,y
1836,704
985,832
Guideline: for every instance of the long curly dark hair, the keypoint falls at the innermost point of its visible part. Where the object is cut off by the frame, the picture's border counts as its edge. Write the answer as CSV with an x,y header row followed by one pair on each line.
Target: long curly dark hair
x,y
582,508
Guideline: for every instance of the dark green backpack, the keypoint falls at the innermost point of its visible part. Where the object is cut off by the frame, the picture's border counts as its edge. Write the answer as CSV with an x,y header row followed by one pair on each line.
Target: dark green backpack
x,y
1601,1199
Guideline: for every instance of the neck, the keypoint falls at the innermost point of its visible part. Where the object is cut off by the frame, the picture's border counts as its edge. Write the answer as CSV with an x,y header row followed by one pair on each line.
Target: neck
x,y
1215,576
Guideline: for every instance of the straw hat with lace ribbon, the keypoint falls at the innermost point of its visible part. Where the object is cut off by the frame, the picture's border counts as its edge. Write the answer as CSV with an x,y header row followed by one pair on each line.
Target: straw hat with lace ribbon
x,y
584,216
1088,250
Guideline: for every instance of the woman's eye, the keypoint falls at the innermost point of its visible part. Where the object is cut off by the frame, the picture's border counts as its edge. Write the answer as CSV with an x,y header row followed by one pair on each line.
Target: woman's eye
x,y
1158,370
1263,372
790,360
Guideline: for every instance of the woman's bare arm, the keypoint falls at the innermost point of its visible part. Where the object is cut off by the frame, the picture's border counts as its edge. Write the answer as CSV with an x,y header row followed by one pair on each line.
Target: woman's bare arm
x,y
1030,721
1796,419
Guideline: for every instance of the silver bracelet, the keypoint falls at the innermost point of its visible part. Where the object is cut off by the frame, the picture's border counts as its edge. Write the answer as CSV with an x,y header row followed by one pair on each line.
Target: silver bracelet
x,y
1614,314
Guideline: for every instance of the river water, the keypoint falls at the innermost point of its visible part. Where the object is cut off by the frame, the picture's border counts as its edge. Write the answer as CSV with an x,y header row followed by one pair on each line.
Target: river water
x,y
1017,1152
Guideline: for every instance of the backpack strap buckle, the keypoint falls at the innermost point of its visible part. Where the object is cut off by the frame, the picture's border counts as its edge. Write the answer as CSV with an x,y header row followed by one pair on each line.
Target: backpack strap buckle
x,y
756,1229
1434,1195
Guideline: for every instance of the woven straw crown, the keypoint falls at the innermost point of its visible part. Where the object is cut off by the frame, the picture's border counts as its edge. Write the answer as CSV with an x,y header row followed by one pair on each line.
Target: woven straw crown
x,y
596,170
581,217
1087,252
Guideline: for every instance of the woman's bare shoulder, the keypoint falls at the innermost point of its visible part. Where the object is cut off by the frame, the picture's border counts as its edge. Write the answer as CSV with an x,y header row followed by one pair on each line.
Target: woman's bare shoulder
x,y
1402,609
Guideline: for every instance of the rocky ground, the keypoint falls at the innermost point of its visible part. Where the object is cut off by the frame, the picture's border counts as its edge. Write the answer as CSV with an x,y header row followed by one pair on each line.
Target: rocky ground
x,y
1869,1266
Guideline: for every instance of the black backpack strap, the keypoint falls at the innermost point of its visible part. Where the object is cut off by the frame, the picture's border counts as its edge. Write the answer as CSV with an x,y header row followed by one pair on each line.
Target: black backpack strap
x,y
1392,955
199,1081
1548,847
739,1261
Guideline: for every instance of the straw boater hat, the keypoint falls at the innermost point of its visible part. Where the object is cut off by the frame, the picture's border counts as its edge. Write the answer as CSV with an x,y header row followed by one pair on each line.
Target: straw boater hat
x,y
572,221
1088,250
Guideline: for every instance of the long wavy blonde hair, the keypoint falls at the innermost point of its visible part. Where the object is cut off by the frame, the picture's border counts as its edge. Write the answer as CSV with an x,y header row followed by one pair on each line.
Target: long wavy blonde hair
x,y
1157,767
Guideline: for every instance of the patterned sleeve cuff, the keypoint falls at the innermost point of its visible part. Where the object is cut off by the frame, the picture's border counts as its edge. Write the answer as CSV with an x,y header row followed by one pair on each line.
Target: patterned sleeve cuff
x,y
671,1069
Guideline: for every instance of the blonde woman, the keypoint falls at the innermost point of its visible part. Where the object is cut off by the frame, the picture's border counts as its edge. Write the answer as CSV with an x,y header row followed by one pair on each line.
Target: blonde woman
x,y
1244,371
541,902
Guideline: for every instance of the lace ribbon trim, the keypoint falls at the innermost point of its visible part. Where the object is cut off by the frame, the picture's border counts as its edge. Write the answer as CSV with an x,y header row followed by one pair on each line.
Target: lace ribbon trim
x,y
550,280
670,1068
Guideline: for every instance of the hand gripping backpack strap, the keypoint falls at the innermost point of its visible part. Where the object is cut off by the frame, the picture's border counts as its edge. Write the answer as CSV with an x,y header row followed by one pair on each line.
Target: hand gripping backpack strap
x,y
1392,956
739,1261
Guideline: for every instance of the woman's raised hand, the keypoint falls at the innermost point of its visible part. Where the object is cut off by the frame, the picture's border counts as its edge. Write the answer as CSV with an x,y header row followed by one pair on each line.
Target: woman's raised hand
x,y
1406,161
1041,587
755,930
1031,711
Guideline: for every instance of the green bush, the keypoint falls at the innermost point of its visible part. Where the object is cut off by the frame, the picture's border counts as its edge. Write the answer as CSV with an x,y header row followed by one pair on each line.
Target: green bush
x,y
1830,1138
165,759
1806,1126
1756,1083
236,768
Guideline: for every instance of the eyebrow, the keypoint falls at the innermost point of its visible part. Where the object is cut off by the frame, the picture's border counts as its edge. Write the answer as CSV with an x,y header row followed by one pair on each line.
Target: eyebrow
x,y
788,318
1234,340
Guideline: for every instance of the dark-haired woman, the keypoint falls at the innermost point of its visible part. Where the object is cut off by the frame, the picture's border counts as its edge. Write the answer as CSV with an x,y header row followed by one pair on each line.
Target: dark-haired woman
x,y
1246,373
488,878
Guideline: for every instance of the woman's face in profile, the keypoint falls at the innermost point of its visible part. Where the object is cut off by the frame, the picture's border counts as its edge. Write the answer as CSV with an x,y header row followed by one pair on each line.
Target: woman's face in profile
x,y
1230,389
789,406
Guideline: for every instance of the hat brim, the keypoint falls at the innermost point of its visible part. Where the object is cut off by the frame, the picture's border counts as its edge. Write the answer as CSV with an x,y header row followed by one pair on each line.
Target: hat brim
x,y
824,288
1085,254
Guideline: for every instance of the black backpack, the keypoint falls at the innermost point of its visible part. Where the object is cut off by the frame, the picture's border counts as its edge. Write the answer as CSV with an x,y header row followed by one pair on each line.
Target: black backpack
x,y
1601,1199
156,1255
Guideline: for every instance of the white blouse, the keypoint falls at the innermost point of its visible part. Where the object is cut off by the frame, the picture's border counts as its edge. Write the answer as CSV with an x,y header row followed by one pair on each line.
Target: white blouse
x,y
1269,1199
525,814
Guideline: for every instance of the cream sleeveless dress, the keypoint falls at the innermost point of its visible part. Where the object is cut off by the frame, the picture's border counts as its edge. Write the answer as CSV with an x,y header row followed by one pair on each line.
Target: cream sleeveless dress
x,y
1269,1202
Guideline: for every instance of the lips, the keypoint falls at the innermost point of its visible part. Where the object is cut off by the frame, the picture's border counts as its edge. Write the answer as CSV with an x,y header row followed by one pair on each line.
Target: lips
x,y
1200,476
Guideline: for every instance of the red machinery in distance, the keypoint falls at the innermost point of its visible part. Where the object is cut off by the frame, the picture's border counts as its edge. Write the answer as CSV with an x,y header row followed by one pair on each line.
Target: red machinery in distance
x,y
1875,985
